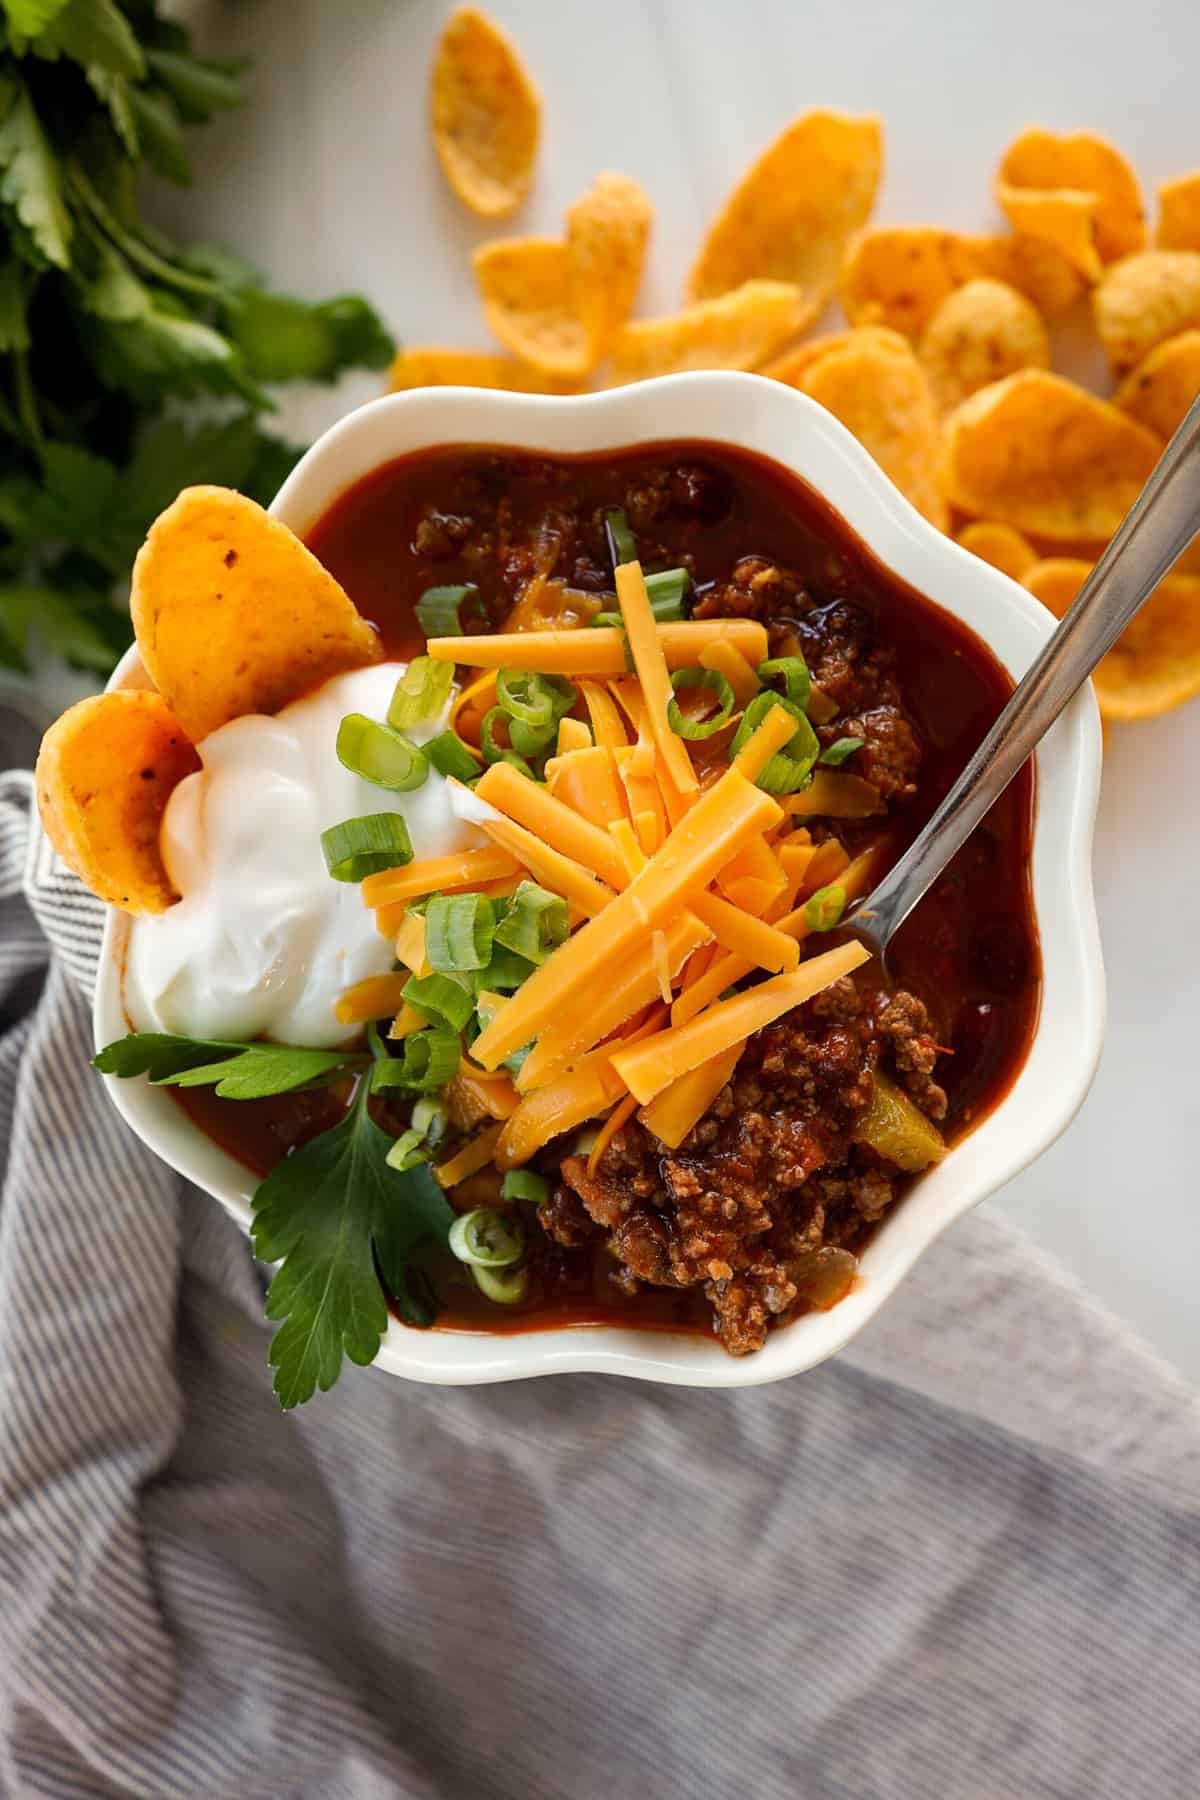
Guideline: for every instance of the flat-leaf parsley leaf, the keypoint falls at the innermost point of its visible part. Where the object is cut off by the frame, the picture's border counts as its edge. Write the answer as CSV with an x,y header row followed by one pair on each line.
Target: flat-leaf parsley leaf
x,y
324,1213
339,1219
237,1071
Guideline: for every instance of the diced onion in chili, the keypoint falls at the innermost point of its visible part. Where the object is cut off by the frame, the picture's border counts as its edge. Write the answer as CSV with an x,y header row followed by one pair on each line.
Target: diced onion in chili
x,y
379,754
439,609
487,1239
360,847
535,923
717,684
458,932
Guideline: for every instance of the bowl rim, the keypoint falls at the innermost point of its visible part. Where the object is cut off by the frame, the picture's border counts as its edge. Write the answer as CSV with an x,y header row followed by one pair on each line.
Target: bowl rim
x,y
747,412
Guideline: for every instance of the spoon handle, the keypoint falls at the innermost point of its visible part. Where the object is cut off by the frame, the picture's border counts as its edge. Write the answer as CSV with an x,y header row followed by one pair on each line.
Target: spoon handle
x,y
1162,522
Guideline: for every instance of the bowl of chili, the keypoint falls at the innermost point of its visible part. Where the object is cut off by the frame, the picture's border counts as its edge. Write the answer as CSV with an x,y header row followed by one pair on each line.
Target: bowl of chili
x,y
993,1023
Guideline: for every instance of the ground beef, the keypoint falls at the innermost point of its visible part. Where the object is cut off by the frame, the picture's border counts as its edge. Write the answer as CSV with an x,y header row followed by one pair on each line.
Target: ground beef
x,y
904,1022
846,660
770,1182
439,535
757,589
890,756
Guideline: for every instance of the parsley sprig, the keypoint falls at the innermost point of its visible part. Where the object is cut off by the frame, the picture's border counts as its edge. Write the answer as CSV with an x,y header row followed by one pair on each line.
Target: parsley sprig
x,y
109,333
339,1220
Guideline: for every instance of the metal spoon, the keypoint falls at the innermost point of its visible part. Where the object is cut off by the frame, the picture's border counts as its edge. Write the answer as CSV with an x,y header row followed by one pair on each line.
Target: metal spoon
x,y
1161,524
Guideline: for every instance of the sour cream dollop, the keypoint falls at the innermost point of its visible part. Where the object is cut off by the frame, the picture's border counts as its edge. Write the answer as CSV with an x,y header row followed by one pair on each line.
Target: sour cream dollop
x,y
263,939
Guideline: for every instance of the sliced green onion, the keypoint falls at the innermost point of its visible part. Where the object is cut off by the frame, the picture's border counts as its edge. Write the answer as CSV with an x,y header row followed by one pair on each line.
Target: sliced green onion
x,y
694,729
450,756
524,1184
535,922
421,692
458,932
416,1144
486,1004
797,682
360,847
429,1060
790,768
442,997
506,1287
530,740
408,1150
429,1118
439,609
824,909
506,971
487,1239
494,752
536,699
379,754
840,750
622,545
665,589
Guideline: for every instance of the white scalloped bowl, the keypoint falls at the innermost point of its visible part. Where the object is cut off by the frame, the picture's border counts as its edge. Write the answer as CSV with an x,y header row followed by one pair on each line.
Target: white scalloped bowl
x,y
767,417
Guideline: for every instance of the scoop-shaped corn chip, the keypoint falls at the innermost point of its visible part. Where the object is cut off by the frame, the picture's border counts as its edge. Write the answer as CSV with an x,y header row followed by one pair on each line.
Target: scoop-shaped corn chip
x,y
486,114
980,333
739,330
1164,384
1040,453
899,275
793,363
1143,301
607,232
1063,218
1035,269
105,772
1001,545
1088,164
879,392
1179,213
795,210
527,286
438,365
233,615
1155,663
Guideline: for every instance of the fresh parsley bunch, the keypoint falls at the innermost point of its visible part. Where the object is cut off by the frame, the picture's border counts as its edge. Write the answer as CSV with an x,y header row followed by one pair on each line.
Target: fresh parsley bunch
x,y
129,367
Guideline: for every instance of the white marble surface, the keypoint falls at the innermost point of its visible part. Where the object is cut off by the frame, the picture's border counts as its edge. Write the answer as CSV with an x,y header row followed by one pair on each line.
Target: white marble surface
x,y
328,181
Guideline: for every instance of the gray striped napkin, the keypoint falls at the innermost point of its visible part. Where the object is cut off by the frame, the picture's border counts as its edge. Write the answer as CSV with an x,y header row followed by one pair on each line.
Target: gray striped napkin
x,y
960,1561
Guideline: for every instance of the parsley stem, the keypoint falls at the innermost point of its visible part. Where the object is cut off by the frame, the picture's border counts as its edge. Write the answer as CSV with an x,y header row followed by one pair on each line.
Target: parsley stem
x,y
133,247
26,402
